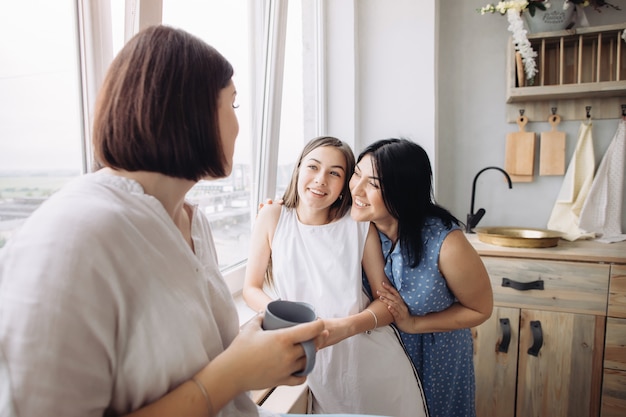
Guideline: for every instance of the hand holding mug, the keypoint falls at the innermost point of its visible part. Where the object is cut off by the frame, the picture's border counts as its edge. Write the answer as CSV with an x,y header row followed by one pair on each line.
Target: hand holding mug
x,y
258,359
280,314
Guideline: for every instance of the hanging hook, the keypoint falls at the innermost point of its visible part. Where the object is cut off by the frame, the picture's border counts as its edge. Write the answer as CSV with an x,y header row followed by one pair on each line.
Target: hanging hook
x,y
588,109
521,112
553,111
623,110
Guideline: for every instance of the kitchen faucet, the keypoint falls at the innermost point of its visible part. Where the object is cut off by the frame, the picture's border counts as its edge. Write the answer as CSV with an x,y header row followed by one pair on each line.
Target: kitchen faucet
x,y
474,218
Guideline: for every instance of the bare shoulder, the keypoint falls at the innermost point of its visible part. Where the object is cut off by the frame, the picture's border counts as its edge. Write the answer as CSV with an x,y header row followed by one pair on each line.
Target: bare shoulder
x,y
272,210
456,247
457,253
456,240
268,216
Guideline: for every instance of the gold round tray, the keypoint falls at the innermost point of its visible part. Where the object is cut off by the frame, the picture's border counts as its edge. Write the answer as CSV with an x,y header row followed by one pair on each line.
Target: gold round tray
x,y
518,237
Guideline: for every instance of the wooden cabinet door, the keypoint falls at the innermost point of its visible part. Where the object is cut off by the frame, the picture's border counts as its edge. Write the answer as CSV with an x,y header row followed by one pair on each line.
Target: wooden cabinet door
x,y
614,382
495,365
617,292
614,393
562,379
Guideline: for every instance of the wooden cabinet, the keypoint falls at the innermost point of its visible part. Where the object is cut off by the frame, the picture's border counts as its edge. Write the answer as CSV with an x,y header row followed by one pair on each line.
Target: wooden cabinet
x,y
614,381
541,352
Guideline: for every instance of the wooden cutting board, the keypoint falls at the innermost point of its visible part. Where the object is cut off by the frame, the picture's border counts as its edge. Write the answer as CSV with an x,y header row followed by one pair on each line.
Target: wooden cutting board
x,y
552,150
519,158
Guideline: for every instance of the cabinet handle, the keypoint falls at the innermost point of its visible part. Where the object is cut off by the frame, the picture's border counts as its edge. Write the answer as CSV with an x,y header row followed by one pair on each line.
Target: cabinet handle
x,y
506,335
523,286
535,328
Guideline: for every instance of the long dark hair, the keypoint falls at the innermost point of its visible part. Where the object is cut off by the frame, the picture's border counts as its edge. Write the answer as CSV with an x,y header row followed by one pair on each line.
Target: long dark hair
x,y
405,178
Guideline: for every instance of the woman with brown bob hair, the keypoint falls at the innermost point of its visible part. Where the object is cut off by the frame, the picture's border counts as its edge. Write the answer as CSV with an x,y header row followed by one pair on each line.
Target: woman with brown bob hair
x,y
154,116
111,297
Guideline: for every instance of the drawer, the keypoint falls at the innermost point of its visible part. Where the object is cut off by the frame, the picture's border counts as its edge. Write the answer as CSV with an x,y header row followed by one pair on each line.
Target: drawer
x,y
573,287
615,344
617,292
613,394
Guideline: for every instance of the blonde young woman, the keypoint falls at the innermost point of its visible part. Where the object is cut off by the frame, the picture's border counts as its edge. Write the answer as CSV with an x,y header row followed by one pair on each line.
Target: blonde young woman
x,y
314,252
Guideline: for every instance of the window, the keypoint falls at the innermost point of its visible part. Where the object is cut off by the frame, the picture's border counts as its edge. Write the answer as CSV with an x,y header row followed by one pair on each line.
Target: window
x,y
43,142
234,29
224,24
291,138
40,116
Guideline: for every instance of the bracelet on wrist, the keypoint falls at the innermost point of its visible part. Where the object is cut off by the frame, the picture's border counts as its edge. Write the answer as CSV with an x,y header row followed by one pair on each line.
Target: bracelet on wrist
x,y
205,394
375,320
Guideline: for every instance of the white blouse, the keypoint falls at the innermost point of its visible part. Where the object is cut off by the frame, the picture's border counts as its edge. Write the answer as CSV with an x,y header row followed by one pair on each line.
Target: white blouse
x,y
104,306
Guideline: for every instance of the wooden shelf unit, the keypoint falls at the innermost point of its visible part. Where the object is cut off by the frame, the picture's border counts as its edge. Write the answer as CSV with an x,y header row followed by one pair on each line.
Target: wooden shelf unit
x,y
585,65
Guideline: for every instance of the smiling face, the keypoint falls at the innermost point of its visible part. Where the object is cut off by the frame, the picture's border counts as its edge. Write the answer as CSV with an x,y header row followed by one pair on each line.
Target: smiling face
x,y
367,198
321,177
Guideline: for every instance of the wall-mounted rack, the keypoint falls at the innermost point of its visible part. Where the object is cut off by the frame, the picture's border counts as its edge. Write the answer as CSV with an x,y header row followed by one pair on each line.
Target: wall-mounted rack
x,y
576,68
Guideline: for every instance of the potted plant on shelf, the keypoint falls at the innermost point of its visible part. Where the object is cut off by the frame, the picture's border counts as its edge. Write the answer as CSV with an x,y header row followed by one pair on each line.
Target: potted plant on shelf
x,y
540,16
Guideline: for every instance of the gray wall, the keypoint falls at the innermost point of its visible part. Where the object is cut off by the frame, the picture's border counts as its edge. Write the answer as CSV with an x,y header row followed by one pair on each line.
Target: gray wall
x,y
471,122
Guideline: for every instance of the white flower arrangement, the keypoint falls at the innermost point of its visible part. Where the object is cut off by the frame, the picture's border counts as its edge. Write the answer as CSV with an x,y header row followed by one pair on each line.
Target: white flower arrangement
x,y
522,44
513,10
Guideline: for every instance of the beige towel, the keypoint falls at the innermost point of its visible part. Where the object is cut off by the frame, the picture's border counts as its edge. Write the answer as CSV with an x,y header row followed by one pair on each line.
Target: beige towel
x,y
602,211
576,184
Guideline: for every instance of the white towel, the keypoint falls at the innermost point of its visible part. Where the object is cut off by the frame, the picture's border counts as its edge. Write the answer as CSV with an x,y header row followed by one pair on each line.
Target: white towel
x,y
602,211
575,187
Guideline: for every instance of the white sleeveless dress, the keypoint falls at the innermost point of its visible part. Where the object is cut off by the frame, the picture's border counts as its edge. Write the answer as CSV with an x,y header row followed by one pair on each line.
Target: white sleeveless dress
x,y
366,373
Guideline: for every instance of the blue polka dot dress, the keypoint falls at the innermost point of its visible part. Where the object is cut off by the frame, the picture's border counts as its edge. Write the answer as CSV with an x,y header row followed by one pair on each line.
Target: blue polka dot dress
x,y
444,360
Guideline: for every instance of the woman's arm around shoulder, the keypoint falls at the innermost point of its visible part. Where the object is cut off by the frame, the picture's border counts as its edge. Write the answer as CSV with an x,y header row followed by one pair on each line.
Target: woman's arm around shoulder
x,y
259,256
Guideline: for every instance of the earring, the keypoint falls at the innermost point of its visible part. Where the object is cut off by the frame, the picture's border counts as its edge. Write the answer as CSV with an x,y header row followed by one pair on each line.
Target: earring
x,y
340,197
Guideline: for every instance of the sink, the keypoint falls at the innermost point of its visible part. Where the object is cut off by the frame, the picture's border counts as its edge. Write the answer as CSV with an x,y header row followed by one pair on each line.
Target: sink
x,y
518,237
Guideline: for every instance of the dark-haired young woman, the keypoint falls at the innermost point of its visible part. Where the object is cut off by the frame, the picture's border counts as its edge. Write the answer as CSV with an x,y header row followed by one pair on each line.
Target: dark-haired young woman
x,y
440,286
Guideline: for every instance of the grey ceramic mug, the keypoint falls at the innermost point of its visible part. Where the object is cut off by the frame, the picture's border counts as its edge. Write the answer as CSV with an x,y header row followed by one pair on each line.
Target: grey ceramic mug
x,y
282,313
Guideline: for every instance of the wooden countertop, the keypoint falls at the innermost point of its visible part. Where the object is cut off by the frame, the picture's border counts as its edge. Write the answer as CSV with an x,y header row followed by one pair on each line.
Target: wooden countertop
x,y
582,250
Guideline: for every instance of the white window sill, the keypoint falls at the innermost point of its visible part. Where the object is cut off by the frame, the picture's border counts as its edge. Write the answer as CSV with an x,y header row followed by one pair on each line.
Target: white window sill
x,y
234,277
245,312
